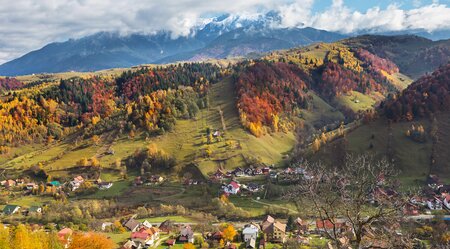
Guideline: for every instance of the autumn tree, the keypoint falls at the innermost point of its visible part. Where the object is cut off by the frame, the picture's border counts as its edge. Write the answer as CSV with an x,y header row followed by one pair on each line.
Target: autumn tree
x,y
5,237
91,241
22,238
96,139
229,233
345,192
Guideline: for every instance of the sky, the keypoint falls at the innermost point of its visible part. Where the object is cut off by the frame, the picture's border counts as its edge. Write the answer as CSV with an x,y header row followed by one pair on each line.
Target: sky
x,y
27,25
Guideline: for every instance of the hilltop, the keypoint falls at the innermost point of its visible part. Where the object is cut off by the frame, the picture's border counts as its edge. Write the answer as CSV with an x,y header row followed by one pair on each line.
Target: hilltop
x,y
414,55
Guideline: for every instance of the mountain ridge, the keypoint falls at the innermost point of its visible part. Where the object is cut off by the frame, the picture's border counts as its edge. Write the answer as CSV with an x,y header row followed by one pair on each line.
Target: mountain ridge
x,y
106,50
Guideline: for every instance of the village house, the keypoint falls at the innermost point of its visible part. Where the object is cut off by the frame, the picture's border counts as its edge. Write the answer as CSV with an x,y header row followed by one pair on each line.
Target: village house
x,y
186,235
418,200
230,246
11,209
76,182
145,224
217,236
275,231
156,179
328,226
145,236
65,236
138,181
132,224
34,210
434,204
266,170
262,243
238,172
250,232
105,225
104,185
31,186
167,226
446,201
54,184
232,188
302,226
410,209
129,245
218,175
170,242
216,134
8,183
140,239
434,182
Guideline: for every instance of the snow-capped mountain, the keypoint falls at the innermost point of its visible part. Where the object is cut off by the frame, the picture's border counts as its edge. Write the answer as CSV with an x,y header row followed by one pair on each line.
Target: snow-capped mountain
x,y
220,37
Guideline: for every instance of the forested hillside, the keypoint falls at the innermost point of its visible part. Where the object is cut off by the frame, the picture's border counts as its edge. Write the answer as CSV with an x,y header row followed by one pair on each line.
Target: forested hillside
x,y
423,98
273,91
414,55
411,130
148,98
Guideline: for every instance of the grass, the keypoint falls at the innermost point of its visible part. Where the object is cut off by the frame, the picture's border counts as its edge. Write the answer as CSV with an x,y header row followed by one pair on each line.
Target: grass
x,y
28,201
356,101
118,238
259,208
117,189
410,157
320,111
176,246
178,219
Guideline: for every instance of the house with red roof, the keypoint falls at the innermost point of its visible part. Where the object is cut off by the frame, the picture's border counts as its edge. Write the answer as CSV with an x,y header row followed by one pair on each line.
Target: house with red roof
x,y
140,238
65,236
232,188
329,226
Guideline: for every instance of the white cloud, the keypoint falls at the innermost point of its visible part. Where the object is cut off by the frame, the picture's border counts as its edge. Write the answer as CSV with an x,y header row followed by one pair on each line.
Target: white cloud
x,y
29,24
341,18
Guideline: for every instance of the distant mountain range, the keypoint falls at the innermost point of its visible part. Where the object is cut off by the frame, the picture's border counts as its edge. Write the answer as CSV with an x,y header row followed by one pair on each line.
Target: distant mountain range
x,y
222,37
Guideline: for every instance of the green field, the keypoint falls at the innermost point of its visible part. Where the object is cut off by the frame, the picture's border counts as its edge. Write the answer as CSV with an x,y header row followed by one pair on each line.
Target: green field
x,y
178,219
410,158
356,101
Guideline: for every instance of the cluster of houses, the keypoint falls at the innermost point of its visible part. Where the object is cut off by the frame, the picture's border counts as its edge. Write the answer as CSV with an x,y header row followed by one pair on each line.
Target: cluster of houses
x,y
286,174
143,234
72,185
253,235
435,196
234,187
30,188
148,180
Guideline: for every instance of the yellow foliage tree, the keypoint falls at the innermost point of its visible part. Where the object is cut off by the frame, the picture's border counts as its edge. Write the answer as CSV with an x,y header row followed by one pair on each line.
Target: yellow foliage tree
x,y
22,238
96,139
229,232
83,162
95,162
95,120
5,238
316,145
275,122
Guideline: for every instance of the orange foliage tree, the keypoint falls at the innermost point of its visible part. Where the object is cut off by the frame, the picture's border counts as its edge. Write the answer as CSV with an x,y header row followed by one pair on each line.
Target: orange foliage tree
x,y
91,241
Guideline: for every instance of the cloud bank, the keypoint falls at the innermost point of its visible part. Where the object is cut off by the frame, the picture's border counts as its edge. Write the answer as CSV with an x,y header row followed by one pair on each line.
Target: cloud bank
x,y
29,24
